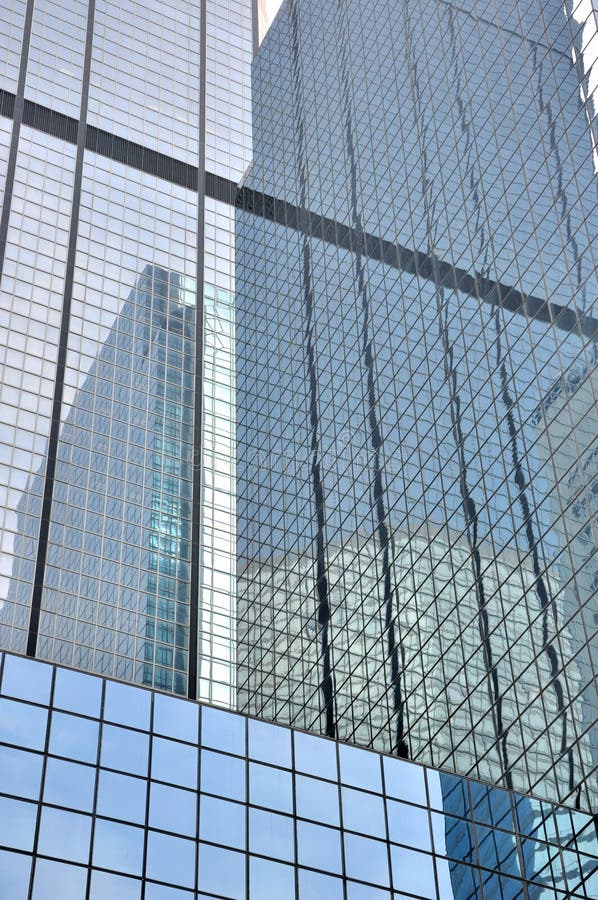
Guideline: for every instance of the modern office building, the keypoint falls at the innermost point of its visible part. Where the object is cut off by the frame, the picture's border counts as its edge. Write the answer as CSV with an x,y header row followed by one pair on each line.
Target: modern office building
x,y
416,504
125,132
120,127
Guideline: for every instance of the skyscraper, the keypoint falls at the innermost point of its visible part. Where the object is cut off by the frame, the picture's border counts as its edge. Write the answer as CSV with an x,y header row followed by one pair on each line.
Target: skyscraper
x,y
111,172
131,194
416,514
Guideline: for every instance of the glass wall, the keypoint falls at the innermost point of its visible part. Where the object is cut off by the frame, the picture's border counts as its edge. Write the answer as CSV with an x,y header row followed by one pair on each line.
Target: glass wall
x,y
417,389
115,790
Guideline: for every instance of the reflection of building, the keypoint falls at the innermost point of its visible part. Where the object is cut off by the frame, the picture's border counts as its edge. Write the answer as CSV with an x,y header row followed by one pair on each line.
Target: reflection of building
x,y
567,422
442,688
116,597
421,275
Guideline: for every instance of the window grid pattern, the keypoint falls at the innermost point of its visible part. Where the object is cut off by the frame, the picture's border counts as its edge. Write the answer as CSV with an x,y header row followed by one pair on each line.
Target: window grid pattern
x,y
115,789
417,474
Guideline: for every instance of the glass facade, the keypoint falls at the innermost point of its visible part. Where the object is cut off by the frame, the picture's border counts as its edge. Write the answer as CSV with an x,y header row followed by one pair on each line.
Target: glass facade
x,y
110,790
123,132
417,328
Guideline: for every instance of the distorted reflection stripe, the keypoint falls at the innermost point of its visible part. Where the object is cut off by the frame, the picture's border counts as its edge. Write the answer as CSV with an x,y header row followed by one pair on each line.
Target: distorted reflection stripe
x,y
17,117
52,453
415,262
389,594
323,605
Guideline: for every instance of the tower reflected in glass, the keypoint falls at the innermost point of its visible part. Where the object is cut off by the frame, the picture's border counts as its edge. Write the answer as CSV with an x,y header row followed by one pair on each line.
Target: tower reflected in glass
x,y
417,405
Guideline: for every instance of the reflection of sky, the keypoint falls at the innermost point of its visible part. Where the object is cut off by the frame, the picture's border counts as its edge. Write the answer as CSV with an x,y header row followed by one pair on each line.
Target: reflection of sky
x,y
267,9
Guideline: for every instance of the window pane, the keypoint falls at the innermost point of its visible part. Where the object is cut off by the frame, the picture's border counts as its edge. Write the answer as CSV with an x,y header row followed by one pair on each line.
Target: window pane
x,y
271,880
270,743
20,773
114,887
16,870
77,692
22,724
270,787
271,835
317,800
222,872
17,823
172,809
171,859
176,718
125,750
363,812
69,784
360,768
27,679
74,737
65,835
118,847
54,879
174,762
223,730
222,775
315,755
127,705
319,847
222,822
121,797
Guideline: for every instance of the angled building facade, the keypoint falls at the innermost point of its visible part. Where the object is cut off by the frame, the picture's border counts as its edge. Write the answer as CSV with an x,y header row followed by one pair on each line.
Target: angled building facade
x,y
416,514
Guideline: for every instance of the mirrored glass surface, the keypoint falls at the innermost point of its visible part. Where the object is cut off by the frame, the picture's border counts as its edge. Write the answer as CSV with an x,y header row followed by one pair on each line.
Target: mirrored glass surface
x,y
222,871
319,847
117,887
17,823
121,797
23,724
317,800
223,775
125,750
270,880
65,835
16,870
69,784
171,859
269,743
174,762
172,809
223,731
54,879
366,859
315,756
20,773
175,718
270,787
222,822
77,692
118,847
23,679
74,737
271,835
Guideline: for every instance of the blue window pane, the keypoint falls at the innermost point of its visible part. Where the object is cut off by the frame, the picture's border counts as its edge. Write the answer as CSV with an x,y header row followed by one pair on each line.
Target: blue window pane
x,y
176,718
366,859
223,730
56,879
413,872
313,886
319,847
405,781
161,892
64,835
74,737
171,859
118,847
270,743
360,768
16,871
270,787
114,887
271,835
222,872
121,797
125,750
363,812
222,822
26,679
408,825
223,775
69,784
127,705
17,823
77,692
23,724
174,762
317,800
172,809
270,880
20,773
315,755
